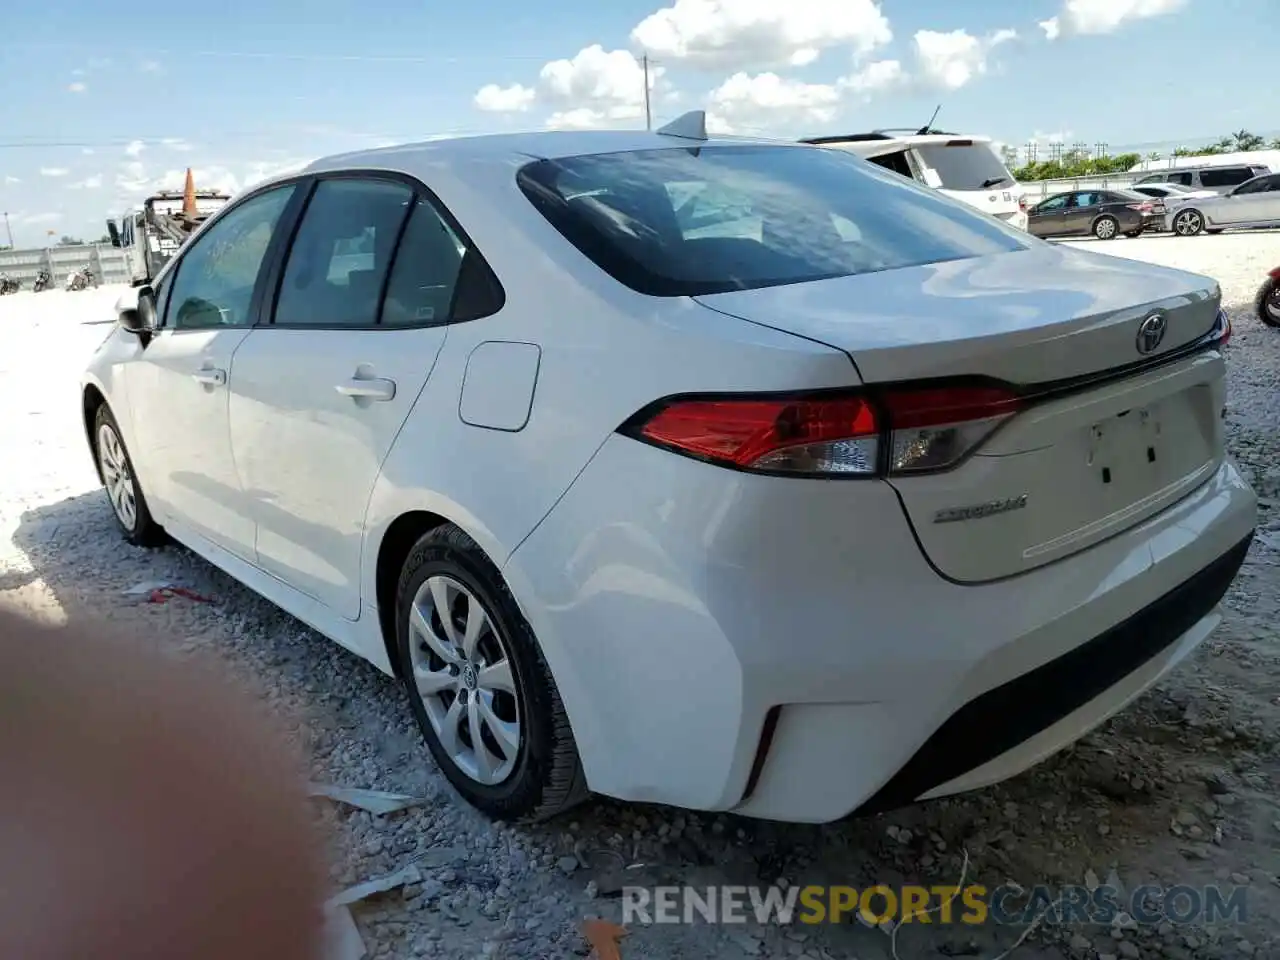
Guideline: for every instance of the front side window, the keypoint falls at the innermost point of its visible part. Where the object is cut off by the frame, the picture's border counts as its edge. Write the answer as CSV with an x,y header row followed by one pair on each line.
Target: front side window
x,y
216,276
702,220
1054,203
341,254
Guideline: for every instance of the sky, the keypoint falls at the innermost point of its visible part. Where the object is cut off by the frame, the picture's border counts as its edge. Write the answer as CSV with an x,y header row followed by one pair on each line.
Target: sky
x,y
101,104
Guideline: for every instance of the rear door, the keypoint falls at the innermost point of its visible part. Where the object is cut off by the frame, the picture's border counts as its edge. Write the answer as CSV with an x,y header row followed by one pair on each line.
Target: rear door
x,y
321,390
1081,209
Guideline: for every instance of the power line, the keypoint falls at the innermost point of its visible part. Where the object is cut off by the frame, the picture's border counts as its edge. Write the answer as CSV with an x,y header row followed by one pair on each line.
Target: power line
x,y
154,54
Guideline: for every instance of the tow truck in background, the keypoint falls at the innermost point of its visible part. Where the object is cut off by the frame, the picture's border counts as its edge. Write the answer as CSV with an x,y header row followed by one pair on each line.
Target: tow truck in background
x,y
152,233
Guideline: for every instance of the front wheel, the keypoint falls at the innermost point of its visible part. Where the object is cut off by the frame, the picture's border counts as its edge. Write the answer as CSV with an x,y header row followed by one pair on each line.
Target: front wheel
x,y
1188,223
1268,304
479,686
1106,228
123,490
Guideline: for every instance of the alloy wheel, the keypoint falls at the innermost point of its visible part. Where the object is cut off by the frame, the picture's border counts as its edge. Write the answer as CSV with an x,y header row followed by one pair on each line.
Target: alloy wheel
x,y
117,476
462,673
1188,223
1105,230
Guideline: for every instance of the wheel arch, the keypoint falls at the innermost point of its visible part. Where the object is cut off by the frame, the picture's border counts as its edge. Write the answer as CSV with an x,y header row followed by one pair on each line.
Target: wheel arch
x,y
92,399
393,549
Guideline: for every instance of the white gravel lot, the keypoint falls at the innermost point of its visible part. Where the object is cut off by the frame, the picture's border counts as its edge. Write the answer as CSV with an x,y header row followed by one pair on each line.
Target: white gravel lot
x,y
1181,789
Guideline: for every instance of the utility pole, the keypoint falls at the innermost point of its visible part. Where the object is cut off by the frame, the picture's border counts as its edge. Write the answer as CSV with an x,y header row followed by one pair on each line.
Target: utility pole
x,y
648,118
8,229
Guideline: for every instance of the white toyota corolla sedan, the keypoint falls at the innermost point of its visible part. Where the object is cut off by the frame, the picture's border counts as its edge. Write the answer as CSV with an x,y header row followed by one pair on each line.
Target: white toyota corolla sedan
x,y
735,475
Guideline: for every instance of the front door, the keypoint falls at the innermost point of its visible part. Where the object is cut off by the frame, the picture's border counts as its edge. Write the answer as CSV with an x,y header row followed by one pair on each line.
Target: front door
x,y
1046,219
322,391
178,390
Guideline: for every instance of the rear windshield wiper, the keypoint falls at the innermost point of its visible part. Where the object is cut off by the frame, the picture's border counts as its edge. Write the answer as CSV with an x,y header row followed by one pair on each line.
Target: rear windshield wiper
x,y
995,182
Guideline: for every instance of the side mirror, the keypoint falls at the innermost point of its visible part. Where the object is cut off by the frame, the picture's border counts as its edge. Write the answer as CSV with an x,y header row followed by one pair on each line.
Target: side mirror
x,y
136,310
114,232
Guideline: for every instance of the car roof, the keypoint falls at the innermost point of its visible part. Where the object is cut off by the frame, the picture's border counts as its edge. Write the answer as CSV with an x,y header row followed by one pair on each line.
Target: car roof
x,y
521,147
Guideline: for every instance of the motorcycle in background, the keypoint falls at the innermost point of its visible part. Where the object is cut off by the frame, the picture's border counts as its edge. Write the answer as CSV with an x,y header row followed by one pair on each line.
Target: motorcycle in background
x,y
82,279
43,281
1268,300
9,286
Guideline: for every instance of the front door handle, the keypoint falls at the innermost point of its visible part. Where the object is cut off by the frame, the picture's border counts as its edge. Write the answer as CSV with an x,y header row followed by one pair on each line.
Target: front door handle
x,y
210,377
372,388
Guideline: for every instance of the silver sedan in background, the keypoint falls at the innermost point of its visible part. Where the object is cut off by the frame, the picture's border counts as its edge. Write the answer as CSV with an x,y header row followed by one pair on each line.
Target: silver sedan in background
x,y
1255,203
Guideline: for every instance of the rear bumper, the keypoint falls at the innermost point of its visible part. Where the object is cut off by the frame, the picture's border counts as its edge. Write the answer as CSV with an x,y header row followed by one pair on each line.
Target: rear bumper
x,y
782,648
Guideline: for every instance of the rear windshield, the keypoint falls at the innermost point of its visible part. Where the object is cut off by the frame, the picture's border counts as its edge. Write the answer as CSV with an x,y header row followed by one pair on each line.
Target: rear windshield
x,y
971,167
690,221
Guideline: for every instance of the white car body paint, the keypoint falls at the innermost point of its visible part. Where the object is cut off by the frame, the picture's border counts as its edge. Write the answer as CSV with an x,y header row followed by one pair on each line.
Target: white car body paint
x,y
680,604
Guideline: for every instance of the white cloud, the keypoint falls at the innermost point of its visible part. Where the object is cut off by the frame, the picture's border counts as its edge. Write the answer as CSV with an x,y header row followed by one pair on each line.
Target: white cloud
x,y
595,88
87,151
54,171
513,99
176,143
875,77
135,148
1051,27
743,33
951,60
11,179
1104,16
767,98
89,183
77,87
150,66
36,218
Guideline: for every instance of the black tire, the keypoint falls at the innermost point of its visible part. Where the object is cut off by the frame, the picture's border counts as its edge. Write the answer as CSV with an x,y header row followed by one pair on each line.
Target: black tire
x,y
1188,222
1267,305
1214,231
546,777
141,530
1106,227
1131,234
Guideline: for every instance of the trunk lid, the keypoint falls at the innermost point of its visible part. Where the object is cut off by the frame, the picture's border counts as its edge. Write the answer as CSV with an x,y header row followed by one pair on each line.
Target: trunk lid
x,y
1036,315
1069,471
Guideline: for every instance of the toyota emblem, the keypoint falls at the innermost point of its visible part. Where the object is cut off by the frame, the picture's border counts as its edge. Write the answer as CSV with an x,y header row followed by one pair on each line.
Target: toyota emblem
x,y
1151,333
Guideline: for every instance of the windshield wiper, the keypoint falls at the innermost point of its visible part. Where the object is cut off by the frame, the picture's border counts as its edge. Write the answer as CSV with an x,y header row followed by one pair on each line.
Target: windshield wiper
x,y
995,182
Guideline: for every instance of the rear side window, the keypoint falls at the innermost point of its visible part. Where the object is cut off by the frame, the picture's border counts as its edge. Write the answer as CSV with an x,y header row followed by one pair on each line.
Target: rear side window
x,y
1225,176
425,276
341,253
971,166
690,221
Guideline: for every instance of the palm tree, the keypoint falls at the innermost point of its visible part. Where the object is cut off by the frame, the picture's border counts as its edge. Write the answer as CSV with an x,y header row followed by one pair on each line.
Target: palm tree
x,y
1243,141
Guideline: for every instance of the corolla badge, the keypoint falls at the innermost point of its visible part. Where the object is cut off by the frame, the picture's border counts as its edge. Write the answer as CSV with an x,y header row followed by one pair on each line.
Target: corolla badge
x,y
1151,333
979,510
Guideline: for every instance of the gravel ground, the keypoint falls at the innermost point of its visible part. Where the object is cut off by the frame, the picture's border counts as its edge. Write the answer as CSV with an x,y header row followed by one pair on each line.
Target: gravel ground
x,y
1180,789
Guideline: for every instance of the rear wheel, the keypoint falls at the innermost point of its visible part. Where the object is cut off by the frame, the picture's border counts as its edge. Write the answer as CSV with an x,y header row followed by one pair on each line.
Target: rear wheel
x,y
1188,223
1106,227
480,689
1268,305
123,490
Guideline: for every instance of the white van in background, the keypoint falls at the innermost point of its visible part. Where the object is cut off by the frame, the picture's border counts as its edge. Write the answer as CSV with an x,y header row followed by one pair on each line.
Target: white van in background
x,y
964,167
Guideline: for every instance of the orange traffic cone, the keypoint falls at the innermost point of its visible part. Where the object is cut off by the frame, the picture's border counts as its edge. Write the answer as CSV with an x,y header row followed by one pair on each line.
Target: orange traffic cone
x,y
189,196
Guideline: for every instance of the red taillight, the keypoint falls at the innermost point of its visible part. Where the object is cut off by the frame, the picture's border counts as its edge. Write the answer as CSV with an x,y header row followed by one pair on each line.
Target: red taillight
x,y
816,435
1140,207
834,435
936,428
1022,204
1223,328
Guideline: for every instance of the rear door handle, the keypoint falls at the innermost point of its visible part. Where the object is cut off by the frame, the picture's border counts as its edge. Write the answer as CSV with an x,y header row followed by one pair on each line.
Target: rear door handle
x,y
210,377
372,388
